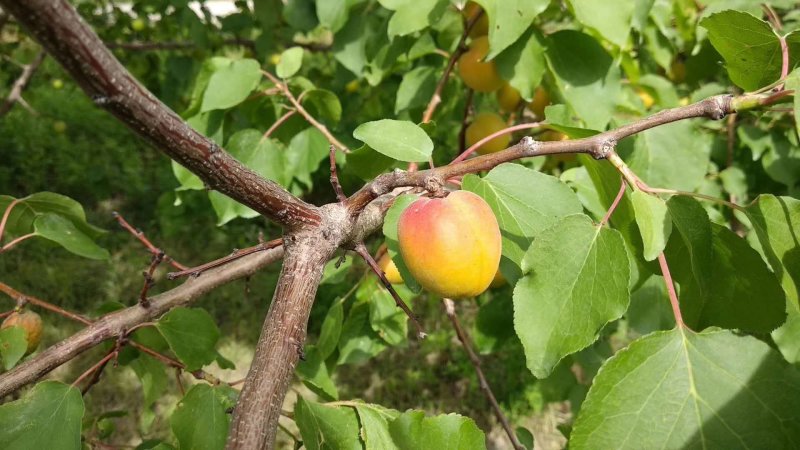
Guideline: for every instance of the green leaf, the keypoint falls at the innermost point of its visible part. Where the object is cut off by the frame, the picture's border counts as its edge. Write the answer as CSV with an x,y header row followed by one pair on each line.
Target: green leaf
x,y
366,163
314,373
20,220
674,156
385,318
586,75
412,430
306,151
416,88
200,420
375,426
393,245
741,292
13,344
231,84
508,20
679,389
60,230
333,14
398,139
750,47
325,427
776,221
691,222
325,104
290,63
793,83
192,334
410,17
612,19
576,281
358,342
153,377
46,417
525,437
787,337
331,329
494,324
208,68
335,270
525,202
655,223
523,64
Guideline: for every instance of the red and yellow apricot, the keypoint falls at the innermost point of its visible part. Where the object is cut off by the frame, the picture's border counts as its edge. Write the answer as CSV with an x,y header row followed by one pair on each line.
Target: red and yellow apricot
x,y
450,245
28,321
479,74
483,125
388,267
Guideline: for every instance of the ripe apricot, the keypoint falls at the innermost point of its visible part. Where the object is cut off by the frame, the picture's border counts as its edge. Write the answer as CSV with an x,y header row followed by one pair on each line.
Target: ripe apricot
x,y
389,268
540,101
450,245
484,125
508,98
646,98
28,321
481,27
479,74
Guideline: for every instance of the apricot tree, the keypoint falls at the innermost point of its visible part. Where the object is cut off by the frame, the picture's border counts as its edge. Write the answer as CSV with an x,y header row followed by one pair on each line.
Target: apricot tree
x,y
649,248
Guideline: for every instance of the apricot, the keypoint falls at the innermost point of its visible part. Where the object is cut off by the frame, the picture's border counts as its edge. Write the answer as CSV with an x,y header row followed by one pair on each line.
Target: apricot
x,y
508,98
389,268
551,135
646,98
677,71
484,125
481,27
450,245
28,321
479,74
540,101
498,281
352,86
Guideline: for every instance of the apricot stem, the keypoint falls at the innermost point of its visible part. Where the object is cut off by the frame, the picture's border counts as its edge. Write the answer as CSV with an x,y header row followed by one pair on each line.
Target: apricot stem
x,y
615,203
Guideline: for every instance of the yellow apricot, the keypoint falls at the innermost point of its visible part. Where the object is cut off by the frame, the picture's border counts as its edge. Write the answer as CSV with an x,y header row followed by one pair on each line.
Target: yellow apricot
x,y
551,135
508,98
451,245
540,101
646,98
481,27
484,125
28,321
677,71
389,269
479,74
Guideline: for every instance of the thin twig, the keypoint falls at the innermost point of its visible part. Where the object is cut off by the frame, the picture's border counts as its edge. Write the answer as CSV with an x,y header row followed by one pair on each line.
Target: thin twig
x,y
278,123
509,130
450,309
194,271
15,95
138,234
309,118
16,241
673,296
149,281
615,203
95,367
337,187
6,215
364,253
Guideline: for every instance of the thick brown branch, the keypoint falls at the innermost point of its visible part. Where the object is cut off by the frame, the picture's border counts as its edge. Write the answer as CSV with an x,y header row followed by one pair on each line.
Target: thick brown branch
x,y
22,82
598,145
64,34
255,418
117,323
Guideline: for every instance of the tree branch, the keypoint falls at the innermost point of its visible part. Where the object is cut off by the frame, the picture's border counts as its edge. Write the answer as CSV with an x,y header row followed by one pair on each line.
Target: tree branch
x,y
64,34
598,145
22,82
114,324
255,418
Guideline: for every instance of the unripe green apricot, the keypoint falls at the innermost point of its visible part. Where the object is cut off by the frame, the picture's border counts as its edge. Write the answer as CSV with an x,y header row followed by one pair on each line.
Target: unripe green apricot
x,y
28,321
450,245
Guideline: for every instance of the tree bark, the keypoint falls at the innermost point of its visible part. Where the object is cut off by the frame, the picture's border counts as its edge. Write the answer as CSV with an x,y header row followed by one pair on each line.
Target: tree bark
x,y
255,419
64,34
114,324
